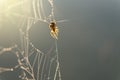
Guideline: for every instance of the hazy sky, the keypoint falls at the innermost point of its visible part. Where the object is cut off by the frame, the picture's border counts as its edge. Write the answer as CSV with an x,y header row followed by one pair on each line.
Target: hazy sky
x,y
89,42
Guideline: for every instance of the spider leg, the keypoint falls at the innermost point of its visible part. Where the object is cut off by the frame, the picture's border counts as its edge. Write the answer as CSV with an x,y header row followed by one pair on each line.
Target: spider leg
x,y
54,34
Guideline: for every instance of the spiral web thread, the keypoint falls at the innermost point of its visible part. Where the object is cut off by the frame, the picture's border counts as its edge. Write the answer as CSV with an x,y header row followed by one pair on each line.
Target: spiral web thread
x,y
43,66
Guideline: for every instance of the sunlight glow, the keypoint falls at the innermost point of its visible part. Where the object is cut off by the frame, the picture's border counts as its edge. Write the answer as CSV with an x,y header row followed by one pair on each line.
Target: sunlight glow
x,y
11,10
2,3
6,5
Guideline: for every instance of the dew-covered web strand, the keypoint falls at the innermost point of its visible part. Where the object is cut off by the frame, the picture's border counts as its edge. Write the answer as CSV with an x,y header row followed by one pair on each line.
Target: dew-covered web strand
x,y
57,71
52,10
34,9
26,48
24,53
39,9
58,64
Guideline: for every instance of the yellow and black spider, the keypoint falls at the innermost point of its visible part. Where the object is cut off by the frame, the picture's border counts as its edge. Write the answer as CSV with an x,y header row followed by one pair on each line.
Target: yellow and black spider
x,y
54,30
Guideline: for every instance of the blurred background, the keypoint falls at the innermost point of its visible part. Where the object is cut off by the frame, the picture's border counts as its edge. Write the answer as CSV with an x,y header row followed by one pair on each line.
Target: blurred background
x,y
89,42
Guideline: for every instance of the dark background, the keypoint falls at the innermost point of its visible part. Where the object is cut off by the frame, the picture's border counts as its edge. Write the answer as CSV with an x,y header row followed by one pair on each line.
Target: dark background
x,y
89,42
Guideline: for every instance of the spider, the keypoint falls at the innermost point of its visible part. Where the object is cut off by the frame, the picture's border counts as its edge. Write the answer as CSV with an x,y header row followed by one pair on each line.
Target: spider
x,y
54,30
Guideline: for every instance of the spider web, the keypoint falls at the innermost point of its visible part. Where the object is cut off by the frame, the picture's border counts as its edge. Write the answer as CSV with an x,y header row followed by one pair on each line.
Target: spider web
x,y
32,63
